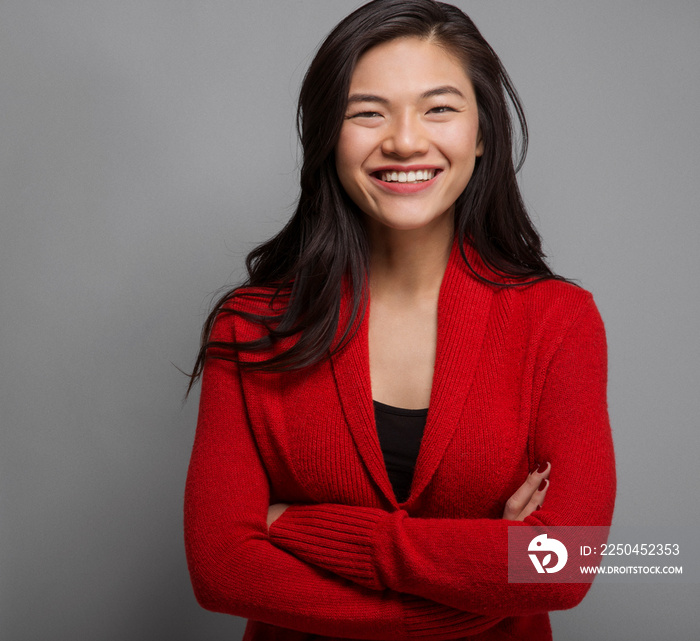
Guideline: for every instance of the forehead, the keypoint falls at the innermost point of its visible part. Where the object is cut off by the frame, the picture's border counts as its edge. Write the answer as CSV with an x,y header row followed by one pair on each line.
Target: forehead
x,y
407,64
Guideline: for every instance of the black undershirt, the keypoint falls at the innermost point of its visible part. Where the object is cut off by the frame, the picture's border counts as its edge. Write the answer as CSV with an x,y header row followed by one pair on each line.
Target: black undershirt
x,y
400,431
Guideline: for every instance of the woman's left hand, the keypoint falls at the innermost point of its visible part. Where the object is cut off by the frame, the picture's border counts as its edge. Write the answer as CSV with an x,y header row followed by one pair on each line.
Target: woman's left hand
x,y
274,512
530,495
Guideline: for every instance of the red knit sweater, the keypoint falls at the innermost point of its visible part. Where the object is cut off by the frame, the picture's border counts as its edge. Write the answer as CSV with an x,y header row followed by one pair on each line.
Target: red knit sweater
x,y
520,376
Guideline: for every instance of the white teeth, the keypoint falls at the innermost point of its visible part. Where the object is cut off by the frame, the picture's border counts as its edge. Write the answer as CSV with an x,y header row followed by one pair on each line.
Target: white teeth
x,y
407,177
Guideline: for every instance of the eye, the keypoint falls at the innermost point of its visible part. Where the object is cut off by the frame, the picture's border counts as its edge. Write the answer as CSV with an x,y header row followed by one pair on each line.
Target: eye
x,y
441,109
365,114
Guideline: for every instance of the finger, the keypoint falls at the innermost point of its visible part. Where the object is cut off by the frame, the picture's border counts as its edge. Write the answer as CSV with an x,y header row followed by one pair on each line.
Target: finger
x,y
523,495
535,502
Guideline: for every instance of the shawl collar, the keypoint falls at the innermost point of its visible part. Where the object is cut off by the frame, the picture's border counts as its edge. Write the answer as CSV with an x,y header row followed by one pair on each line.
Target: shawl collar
x,y
464,304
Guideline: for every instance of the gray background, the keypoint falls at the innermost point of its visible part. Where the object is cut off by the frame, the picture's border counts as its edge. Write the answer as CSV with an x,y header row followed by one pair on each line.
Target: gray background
x,y
146,146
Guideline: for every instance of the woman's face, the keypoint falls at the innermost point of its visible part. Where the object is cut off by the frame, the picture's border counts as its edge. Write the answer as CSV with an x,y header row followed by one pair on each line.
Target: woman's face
x,y
410,137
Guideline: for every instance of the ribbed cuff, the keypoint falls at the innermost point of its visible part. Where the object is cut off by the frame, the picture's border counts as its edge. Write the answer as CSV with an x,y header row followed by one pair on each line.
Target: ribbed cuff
x,y
428,620
331,536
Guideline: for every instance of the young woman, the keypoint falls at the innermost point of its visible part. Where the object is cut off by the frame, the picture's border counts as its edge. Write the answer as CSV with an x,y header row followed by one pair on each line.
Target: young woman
x,y
401,378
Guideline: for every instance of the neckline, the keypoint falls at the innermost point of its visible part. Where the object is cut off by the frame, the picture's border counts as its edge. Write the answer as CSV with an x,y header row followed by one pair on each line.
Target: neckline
x,y
401,411
464,308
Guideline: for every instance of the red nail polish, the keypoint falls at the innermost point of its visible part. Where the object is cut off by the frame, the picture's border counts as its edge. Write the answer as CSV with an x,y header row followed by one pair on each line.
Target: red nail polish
x,y
542,467
542,485
534,469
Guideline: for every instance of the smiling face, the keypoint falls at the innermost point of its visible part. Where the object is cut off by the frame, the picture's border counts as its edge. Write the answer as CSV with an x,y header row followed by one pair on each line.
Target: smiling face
x,y
410,137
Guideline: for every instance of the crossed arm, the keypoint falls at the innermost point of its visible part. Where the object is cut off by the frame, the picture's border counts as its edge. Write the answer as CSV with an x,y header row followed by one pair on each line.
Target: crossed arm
x,y
446,575
462,563
528,498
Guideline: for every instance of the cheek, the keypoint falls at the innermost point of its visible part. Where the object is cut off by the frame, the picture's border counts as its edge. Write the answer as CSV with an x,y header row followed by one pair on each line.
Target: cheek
x,y
350,153
355,145
462,148
344,157
463,141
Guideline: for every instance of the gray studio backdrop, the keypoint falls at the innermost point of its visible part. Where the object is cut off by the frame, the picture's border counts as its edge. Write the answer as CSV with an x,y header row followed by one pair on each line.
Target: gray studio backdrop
x,y
146,146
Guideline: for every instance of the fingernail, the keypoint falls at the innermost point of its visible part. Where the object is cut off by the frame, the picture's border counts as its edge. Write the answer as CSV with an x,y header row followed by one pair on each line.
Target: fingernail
x,y
534,469
542,485
542,467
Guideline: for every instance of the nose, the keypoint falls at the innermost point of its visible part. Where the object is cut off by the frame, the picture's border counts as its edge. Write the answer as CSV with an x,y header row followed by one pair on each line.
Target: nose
x,y
405,137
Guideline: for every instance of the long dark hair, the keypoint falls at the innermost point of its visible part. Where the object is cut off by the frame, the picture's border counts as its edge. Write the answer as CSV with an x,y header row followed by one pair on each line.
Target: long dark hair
x,y
325,240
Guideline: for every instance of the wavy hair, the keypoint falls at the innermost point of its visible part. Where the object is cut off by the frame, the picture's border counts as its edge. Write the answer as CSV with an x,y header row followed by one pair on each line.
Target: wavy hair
x,y
326,240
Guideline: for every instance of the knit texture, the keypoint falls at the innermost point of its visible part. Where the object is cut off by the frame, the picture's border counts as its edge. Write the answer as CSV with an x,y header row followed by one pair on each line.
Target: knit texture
x,y
520,376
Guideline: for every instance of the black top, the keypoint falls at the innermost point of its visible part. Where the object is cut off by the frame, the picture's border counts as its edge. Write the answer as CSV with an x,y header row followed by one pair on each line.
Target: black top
x,y
400,431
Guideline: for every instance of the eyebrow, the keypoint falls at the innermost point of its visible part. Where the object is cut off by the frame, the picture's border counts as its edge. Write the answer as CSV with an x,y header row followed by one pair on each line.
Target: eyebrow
x,y
437,91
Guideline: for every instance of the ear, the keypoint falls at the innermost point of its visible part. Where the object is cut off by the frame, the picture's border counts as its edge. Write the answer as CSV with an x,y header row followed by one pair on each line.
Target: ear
x,y
479,144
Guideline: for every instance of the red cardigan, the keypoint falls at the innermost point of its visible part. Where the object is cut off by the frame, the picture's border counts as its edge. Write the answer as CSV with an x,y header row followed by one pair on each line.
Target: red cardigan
x,y
520,376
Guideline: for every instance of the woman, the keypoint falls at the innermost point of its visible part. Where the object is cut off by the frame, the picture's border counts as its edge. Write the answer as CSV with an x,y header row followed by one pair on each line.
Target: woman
x,y
404,318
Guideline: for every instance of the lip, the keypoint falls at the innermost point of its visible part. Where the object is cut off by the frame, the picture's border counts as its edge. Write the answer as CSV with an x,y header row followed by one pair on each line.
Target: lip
x,y
405,188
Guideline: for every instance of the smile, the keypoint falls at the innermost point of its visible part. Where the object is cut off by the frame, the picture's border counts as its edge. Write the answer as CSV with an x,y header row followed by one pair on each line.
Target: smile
x,y
412,181
410,177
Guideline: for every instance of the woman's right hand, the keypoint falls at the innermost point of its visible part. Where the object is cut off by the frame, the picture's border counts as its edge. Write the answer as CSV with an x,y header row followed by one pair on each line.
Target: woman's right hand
x,y
529,496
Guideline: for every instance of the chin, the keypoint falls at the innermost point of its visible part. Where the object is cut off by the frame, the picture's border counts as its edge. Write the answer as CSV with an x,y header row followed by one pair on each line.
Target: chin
x,y
408,223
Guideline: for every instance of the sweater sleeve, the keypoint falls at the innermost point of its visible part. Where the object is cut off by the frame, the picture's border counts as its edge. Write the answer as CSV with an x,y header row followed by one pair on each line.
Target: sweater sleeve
x,y
463,562
235,568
